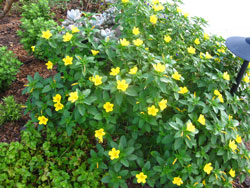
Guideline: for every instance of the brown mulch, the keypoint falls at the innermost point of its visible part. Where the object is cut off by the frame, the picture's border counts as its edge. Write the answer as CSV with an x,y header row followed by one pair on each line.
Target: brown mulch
x,y
9,25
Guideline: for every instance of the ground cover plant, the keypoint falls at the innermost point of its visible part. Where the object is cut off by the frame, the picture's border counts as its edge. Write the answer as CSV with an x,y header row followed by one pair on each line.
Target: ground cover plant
x,y
157,100
47,159
10,110
9,67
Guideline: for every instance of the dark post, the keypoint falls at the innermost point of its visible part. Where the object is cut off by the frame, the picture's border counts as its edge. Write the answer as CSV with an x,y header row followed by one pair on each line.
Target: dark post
x,y
240,46
239,77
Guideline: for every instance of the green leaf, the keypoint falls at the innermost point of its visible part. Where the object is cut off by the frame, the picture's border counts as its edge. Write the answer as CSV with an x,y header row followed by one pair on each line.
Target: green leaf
x,y
46,89
118,98
129,150
132,157
69,130
131,91
52,44
177,144
147,166
221,152
81,109
125,162
98,116
48,112
174,125
157,168
123,173
106,179
123,141
117,167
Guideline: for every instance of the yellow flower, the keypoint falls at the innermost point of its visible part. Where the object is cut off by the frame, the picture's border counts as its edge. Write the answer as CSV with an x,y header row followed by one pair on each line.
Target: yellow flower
x,y
46,34
124,42
115,71
221,98
141,177
183,90
67,60
114,154
178,10
217,59
167,38
99,134
202,119
206,36
97,80
226,76
197,41
138,42
67,37
159,67
158,7
201,55
163,104
125,1
155,1
230,117
232,173
246,79
176,76
232,145
152,110
208,56
217,93
238,139
42,120
49,65
33,48
177,181
190,127
191,50
94,52
204,182
153,19
75,29
136,31
208,168
133,70
108,107
122,85
58,106
57,98
222,50
73,96
186,15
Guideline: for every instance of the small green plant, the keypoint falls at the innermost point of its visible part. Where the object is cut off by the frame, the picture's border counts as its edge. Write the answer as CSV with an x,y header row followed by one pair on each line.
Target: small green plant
x,y
9,67
10,110
48,159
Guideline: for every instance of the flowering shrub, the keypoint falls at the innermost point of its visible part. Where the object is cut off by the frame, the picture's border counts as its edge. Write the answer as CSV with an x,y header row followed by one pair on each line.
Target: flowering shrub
x,y
36,16
157,100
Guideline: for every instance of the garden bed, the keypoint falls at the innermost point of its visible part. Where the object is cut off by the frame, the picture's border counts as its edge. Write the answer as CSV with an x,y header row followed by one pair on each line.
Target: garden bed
x,y
10,131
